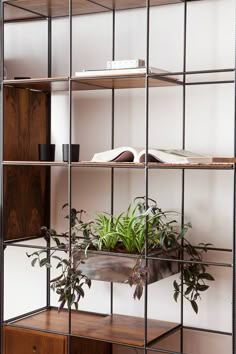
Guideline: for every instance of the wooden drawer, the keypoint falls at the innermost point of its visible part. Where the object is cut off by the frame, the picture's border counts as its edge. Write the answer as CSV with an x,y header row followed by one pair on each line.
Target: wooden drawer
x,y
89,346
24,341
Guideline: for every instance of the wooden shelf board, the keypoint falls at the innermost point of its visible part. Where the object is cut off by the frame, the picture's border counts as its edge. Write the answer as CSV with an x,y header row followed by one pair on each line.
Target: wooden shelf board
x,y
41,84
153,165
108,164
213,166
58,8
92,83
111,328
196,166
121,82
35,163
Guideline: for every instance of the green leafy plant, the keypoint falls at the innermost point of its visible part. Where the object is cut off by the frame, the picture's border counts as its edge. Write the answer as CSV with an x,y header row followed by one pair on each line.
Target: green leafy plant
x,y
143,228
70,282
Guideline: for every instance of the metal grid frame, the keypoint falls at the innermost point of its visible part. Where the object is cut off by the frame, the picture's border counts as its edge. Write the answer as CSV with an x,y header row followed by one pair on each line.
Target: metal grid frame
x,y
3,244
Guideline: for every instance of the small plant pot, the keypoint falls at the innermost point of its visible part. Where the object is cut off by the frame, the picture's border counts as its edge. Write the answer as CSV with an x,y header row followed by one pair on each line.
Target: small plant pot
x,y
74,151
46,152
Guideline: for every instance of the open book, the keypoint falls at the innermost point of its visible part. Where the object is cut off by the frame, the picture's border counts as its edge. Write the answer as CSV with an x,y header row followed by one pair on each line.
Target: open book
x,y
129,154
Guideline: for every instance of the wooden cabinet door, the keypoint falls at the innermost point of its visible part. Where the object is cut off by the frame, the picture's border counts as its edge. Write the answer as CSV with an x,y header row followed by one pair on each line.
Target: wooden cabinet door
x,y
23,341
89,346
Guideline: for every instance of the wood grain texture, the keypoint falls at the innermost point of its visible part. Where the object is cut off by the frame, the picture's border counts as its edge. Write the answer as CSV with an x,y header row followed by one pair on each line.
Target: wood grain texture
x,y
114,328
91,83
88,346
23,341
55,8
26,188
51,320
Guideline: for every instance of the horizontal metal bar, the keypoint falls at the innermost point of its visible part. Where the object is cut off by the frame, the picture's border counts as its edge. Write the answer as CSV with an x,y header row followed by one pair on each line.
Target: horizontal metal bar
x,y
208,330
121,254
197,72
35,247
210,82
9,242
217,264
27,314
215,249
29,19
166,334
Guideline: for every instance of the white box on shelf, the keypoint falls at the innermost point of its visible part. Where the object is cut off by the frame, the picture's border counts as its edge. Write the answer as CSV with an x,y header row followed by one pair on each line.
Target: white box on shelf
x,y
123,64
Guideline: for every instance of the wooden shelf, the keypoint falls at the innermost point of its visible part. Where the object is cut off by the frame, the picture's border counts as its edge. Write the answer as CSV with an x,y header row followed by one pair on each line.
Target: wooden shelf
x,y
111,328
121,82
40,84
227,165
58,8
35,163
118,81
91,83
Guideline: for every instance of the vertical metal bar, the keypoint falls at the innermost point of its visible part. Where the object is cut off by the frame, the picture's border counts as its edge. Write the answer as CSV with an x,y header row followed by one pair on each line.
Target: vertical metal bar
x,y
49,46
234,213
183,171
1,179
112,137
234,261
48,270
146,167
69,156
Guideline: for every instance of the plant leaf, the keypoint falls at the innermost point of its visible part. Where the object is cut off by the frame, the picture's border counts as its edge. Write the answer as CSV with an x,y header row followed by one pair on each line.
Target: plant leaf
x,y
206,276
194,306
176,286
176,295
202,287
34,262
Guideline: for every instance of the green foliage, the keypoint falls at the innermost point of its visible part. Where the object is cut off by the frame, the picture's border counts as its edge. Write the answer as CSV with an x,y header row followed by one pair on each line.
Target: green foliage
x,y
142,228
193,276
70,281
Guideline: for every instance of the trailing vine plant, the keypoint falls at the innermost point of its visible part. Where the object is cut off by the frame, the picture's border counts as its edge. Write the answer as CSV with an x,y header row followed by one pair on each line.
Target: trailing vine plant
x,y
140,228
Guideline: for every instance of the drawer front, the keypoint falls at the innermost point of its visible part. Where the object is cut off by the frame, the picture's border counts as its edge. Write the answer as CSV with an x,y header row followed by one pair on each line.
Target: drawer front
x,y
22,341
89,346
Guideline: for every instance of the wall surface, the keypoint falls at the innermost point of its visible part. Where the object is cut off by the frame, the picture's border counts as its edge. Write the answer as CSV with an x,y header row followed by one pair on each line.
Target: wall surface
x,y
209,129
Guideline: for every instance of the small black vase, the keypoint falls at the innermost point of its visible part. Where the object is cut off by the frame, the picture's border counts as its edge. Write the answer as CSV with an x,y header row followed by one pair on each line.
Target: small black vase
x,y
74,151
46,152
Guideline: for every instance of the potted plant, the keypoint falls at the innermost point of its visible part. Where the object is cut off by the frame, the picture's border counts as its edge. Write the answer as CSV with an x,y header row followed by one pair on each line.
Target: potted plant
x,y
137,231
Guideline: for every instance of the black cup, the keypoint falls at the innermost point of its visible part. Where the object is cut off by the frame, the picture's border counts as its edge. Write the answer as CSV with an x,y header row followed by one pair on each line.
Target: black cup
x,y
46,152
74,152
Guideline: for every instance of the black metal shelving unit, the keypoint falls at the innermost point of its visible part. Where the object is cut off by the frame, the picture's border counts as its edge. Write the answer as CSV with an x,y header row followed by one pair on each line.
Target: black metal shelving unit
x,y
26,10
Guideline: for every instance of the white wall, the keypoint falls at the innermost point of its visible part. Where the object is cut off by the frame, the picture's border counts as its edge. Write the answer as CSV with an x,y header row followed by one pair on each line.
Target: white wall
x,y
209,129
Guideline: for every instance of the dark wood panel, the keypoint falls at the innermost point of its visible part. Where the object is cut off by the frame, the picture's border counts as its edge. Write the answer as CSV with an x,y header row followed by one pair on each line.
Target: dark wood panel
x,y
89,346
22,341
25,201
26,123
26,188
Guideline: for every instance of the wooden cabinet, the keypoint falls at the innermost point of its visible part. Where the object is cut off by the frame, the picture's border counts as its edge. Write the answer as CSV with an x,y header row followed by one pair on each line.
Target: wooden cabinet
x,y
89,346
24,341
